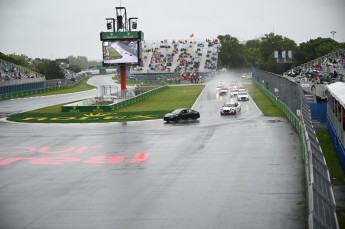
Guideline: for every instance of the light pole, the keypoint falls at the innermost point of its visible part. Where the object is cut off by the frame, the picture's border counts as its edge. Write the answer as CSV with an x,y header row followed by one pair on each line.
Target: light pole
x,y
333,32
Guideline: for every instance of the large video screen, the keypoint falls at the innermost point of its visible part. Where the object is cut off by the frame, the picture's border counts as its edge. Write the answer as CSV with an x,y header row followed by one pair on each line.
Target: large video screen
x,y
121,52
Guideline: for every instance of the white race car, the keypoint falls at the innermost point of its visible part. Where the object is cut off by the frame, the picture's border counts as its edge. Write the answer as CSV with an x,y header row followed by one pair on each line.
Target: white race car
x,y
234,83
220,84
242,96
223,91
230,108
233,92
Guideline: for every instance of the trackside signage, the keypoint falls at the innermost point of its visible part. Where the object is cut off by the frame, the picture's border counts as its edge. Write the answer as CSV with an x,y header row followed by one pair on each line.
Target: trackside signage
x,y
90,117
77,109
79,117
122,35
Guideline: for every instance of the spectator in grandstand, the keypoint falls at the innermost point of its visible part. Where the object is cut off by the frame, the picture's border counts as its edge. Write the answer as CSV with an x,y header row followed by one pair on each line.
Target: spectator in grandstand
x,y
318,81
335,74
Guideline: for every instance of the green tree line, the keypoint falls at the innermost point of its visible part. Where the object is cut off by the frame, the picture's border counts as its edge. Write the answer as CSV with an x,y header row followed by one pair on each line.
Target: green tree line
x,y
260,52
233,54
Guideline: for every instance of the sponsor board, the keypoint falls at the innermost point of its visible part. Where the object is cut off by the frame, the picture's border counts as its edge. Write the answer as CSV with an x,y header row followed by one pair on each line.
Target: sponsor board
x,y
82,117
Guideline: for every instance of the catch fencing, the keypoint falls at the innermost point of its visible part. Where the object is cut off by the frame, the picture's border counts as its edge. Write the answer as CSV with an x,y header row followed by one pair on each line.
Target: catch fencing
x,y
290,98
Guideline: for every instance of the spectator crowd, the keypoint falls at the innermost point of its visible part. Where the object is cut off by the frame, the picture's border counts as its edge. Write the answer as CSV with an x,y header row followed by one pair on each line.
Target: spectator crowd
x,y
10,71
320,72
178,56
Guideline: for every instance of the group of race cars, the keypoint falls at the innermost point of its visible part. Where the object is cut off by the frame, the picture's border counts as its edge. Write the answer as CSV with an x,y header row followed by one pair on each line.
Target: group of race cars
x,y
234,90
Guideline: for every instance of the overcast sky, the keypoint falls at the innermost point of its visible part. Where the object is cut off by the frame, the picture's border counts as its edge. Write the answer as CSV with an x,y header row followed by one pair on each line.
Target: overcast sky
x,y
60,28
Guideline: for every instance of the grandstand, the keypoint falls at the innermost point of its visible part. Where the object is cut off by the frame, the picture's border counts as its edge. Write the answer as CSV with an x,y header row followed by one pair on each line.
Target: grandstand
x,y
14,74
326,69
316,74
178,56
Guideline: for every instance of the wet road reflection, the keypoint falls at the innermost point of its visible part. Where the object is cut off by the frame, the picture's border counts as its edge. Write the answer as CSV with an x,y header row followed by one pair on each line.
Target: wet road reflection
x,y
216,172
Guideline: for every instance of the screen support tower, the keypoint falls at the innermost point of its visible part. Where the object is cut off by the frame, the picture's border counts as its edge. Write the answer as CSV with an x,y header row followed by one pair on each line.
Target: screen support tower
x,y
121,14
121,29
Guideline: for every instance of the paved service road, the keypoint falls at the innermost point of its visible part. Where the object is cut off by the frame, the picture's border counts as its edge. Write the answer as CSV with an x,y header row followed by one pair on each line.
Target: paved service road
x,y
216,172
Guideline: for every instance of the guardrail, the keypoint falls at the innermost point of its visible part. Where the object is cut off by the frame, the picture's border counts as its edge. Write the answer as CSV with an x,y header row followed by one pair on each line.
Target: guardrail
x,y
115,106
34,92
21,81
320,199
27,89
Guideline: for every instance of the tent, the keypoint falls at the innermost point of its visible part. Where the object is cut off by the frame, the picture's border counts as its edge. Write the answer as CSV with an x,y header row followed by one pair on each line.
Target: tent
x,y
337,90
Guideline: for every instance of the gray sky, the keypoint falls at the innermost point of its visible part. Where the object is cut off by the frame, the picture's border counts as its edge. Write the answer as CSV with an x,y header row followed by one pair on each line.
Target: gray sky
x,y
59,28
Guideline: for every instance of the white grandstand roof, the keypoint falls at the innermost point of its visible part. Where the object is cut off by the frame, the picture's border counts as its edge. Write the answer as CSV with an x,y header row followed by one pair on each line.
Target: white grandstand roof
x,y
337,90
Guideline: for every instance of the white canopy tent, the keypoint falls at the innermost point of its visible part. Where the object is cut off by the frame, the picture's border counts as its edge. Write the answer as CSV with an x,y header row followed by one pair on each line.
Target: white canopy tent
x,y
337,90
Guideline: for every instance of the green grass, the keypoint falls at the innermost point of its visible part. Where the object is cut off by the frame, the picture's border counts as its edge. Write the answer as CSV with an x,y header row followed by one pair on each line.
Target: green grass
x,y
113,54
267,107
51,109
335,170
169,99
152,107
80,86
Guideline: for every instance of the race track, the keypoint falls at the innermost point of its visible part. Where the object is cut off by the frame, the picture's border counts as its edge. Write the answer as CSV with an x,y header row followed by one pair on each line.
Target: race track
x,y
216,172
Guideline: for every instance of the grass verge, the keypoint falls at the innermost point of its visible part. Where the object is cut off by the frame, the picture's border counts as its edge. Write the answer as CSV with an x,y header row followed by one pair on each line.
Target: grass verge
x,y
80,86
335,171
153,107
267,107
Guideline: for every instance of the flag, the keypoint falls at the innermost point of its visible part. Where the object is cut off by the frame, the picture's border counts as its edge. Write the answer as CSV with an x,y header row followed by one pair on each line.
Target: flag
x,y
192,35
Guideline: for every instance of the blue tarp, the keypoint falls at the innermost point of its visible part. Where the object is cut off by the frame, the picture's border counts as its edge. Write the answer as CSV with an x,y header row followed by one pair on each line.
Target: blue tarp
x,y
318,112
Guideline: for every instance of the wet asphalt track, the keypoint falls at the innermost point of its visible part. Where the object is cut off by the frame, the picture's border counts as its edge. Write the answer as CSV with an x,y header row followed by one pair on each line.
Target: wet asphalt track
x,y
217,172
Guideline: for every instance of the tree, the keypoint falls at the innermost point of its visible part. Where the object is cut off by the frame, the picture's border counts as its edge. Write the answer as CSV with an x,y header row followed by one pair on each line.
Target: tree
x,y
79,60
50,69
269,44
232,53
75,68
20,60
94,63
316,48
253,51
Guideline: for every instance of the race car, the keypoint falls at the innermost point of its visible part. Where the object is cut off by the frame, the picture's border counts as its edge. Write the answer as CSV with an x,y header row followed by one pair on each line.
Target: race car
x,y
220,84
241,88
230,108
222,91
233,92
181,114
242,96
234,83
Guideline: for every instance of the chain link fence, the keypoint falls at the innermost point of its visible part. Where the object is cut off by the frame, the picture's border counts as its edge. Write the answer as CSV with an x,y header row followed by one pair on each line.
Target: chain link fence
x,y
293,102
